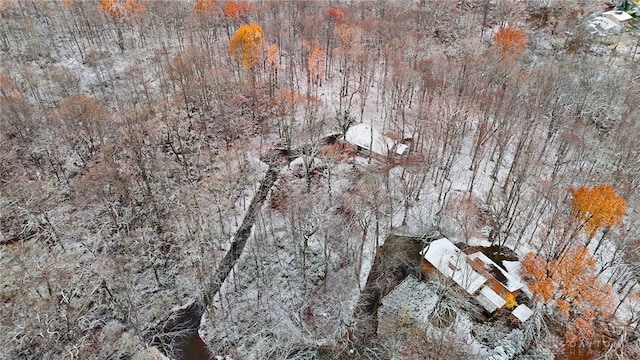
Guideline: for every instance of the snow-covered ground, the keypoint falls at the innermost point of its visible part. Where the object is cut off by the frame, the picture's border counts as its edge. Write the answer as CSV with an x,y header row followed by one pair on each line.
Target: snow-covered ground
x,y
109,243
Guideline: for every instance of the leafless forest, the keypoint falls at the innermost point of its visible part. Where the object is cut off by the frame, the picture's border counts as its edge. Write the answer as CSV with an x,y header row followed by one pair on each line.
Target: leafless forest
x,y
167,155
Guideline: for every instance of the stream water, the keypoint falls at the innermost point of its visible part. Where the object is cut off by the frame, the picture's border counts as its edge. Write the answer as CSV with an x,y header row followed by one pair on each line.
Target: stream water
x,y
195,349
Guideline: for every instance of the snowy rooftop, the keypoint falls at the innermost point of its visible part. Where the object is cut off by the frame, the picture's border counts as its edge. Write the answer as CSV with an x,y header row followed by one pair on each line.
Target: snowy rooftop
x,y
522,312
618,15
401,149
365,137
490,300
509,281
452,262
603,26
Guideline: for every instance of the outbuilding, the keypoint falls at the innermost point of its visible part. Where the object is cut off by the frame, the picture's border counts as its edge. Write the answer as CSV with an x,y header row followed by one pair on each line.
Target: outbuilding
x,y
366,138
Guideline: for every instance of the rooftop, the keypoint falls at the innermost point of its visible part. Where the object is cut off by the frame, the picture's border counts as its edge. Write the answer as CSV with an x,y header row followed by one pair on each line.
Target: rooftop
x,y
618,15
452,262
510,282
522,312
490,300
364,136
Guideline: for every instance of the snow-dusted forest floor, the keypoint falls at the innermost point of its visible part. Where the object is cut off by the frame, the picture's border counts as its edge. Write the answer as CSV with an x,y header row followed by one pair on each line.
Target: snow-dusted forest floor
x,y
131,142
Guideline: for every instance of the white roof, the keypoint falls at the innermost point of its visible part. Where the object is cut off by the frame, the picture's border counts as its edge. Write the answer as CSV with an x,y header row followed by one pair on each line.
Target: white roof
x,y
618,15
452,262
522,312
603,26
490,300
511,283
401,149
364,136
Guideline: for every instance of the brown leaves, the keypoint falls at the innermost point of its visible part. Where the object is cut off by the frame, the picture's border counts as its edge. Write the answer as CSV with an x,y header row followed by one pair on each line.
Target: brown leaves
x,y
570,283
511,41
246,45
349,36
597,207
83,121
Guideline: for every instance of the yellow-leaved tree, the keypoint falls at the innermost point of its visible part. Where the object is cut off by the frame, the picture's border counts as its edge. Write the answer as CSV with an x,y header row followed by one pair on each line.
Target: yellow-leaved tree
x,y
273,64
246,45
597,207
570,285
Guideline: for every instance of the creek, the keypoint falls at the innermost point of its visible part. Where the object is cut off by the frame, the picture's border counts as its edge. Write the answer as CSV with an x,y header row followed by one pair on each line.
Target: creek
x,y
178,334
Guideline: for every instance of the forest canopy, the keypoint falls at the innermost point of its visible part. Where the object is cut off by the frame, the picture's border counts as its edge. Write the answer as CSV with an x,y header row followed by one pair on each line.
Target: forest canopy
x,y
259,177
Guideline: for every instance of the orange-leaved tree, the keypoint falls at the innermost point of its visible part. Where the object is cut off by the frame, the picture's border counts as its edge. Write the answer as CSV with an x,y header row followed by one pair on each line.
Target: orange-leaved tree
x,y
335,14
597,207
246,45
316,64
134,8
237,10
118,10
570,285
206,7
510,40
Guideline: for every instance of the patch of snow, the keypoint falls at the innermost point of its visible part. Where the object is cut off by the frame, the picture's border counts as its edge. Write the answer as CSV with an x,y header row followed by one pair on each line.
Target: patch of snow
x,y
410,297
513,268
476,241
463,331
297,166
402,149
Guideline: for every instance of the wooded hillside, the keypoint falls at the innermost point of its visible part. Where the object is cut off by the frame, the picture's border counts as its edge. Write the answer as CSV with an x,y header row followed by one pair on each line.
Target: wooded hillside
x,y
159,154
